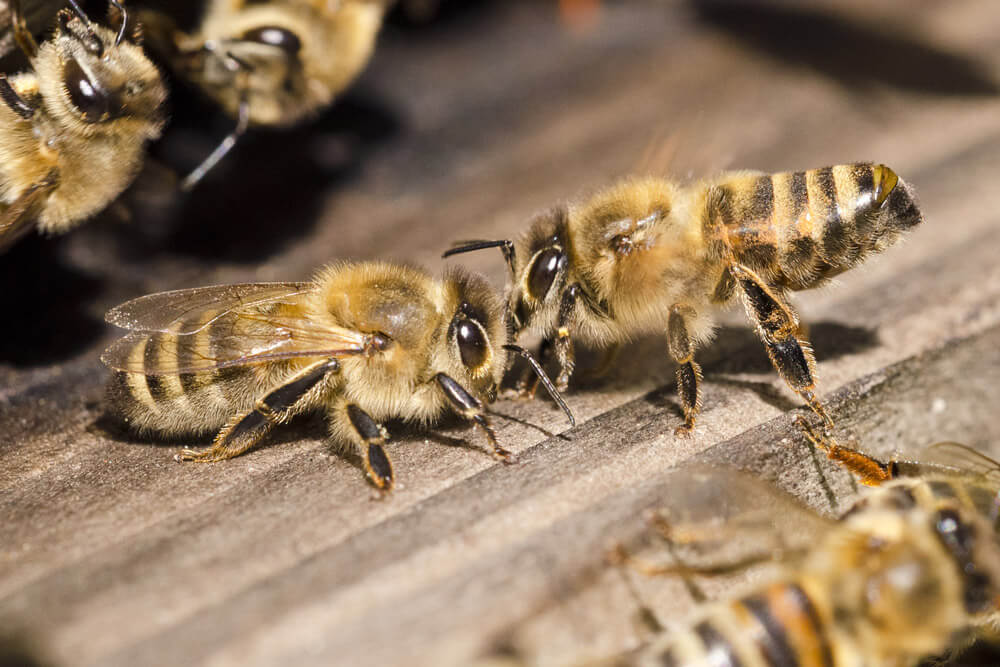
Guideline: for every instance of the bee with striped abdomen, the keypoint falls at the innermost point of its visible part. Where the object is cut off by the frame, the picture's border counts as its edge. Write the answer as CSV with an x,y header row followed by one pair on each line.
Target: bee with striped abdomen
x,y
269,63
365,342
73,130
910,571
649,256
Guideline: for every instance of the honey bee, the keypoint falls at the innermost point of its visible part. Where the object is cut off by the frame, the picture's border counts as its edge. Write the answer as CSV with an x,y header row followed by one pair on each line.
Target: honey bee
x,y
911,571
269,63
73,130
649,256
365,342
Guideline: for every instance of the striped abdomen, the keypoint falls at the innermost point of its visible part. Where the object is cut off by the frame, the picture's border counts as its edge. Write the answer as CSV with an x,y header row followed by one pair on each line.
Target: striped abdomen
x,y
180,403
778,627
798,229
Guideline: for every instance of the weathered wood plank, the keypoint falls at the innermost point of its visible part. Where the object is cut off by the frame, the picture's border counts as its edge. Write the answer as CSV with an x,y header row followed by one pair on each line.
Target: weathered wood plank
x,y
111,553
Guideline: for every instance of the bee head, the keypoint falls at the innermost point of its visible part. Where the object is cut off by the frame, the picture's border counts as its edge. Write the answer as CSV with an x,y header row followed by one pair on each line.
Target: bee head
x,y
922,575
95,81
257,56
540,269
476,332
538,266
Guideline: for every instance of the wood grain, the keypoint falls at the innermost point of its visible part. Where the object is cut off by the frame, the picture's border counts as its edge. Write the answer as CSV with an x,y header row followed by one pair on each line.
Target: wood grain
x,y
111,553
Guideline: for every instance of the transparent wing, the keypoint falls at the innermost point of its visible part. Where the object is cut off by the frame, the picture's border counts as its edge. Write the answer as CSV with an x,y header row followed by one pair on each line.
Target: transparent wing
x,y
176,311
960,459
210,328
712,510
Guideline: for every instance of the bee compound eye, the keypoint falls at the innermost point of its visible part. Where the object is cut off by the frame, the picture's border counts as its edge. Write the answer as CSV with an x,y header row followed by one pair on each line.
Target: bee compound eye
x,y
471,343
543,272
286,40
93,103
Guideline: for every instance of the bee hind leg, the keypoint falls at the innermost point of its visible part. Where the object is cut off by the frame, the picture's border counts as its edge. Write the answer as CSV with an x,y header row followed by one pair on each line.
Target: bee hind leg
x,y
778,327
688,371
244,431
472,408
867,469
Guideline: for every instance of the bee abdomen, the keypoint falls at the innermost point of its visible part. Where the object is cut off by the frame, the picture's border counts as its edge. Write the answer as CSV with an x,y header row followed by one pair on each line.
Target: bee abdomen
x,y
778,627
167,401
801,228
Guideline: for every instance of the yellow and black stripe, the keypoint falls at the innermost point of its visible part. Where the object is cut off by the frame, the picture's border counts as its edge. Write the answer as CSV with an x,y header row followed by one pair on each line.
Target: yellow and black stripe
x,y
163,399
777,627
801,228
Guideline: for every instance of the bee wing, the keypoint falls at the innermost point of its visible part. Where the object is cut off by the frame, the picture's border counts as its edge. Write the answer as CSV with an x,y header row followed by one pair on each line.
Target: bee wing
x,y
714,506
951,456
185,331
168,311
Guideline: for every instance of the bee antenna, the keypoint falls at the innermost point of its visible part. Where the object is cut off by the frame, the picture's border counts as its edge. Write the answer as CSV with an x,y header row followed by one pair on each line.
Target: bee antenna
x,y
506,247
79,12
540,372
121,31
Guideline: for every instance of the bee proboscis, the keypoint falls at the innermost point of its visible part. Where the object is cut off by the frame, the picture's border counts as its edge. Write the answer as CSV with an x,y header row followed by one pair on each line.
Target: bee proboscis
x,y
366,342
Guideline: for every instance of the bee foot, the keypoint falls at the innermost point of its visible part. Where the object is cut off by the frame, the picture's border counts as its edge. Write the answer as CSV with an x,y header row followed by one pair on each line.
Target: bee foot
x,y
684,431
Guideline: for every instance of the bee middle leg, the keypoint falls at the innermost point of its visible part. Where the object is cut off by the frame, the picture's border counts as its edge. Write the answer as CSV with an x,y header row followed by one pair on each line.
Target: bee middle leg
x,y
471,408
688,371
563,342
244,431
778,327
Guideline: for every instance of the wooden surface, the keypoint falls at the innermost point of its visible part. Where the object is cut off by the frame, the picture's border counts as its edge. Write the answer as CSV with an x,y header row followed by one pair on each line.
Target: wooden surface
x,y
111,553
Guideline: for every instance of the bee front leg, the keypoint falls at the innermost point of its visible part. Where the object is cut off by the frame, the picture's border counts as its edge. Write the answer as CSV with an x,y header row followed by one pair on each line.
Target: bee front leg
x,y
16,103
688,372
778,326
244,431
371,436
471,407
563,342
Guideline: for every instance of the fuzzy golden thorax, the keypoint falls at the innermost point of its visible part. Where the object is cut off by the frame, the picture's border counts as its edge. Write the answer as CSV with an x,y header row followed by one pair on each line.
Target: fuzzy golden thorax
x,y
634,251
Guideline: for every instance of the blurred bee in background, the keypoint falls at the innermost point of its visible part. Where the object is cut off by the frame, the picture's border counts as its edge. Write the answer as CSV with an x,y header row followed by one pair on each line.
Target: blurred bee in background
x,y
268,63
73,130
366,342
911,571
649,256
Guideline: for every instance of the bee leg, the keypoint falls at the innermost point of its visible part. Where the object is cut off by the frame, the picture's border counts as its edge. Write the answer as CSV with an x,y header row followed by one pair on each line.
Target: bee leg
x,y
226,145
778,326
688,371
869,470
22,35
14,101
527,385
372,437
563,341
244,431
471,407
16,220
